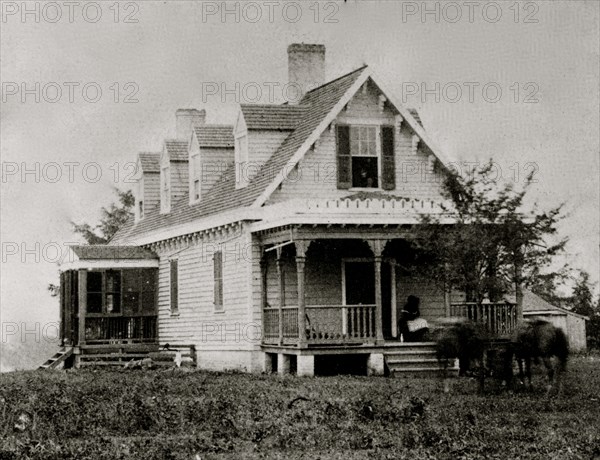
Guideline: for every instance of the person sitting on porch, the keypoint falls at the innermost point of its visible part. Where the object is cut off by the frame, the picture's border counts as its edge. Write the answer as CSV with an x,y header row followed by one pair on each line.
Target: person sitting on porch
x,y
412,328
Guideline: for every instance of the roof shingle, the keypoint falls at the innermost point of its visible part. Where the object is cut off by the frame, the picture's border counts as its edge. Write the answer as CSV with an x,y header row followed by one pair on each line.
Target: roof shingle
x,y
177,150
113,252
219,136
150,162
273,117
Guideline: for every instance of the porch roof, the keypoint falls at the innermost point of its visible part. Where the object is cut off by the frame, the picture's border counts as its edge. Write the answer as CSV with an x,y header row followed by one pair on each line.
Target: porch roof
x,y
104,256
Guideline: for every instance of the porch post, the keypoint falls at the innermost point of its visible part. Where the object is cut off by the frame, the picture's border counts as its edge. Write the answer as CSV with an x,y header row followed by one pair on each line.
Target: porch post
x,y
301,247
377,247
82,305
519,292
281,293
263,286
447,299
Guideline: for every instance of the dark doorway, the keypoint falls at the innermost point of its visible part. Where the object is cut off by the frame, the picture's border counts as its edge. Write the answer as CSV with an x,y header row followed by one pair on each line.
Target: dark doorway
x,y
360,283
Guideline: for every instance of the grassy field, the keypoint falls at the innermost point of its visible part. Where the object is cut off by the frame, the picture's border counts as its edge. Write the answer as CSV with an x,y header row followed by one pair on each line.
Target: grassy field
x,y
99,414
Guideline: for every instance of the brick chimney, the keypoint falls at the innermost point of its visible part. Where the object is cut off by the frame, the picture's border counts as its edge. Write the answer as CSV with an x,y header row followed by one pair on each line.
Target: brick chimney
x,y
306,69
187,120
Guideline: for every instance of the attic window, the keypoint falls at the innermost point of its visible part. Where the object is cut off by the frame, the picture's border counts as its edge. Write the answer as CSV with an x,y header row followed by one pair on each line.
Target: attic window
x,y
196,174
197,189
165,189
365,157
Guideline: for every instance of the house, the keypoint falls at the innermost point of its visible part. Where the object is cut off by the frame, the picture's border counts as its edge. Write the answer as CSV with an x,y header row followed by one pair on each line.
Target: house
x,y
281,242
573,324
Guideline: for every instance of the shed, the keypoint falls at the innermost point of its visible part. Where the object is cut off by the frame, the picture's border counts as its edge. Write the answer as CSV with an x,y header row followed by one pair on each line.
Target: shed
x,y
534,307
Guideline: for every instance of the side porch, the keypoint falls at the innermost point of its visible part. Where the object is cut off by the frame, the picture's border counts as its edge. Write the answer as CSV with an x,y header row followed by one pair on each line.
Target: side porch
x,y
108,302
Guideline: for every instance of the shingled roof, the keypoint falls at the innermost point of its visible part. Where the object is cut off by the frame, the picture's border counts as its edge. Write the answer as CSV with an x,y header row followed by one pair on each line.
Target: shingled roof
x,y
273,117
104,252
216,136
150,162
224,196
177,150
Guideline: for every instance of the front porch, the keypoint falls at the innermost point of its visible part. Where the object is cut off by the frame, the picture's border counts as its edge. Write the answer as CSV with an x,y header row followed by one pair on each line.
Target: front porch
x,y
328,289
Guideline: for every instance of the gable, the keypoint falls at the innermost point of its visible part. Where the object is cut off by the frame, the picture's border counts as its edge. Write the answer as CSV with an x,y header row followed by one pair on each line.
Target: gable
x,y
316,174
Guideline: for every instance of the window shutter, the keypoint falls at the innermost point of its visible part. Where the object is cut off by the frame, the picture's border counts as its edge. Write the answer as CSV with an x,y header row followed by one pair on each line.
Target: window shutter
x,y
344,173
218,279
174,286
388,168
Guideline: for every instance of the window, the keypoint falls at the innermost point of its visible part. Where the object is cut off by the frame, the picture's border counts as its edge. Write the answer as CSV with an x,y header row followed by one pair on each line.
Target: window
x,y
113,291
196,173
94,292
165,189
174,280
241,159
218,280
104,291
196,189
139,290
141,209
365,157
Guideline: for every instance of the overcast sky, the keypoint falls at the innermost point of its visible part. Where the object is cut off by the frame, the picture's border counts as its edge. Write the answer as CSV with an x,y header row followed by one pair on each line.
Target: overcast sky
x,y
538,63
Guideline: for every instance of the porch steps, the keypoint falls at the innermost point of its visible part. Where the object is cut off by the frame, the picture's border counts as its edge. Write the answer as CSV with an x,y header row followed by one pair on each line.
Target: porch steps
x,y
417,359
57,359
133,355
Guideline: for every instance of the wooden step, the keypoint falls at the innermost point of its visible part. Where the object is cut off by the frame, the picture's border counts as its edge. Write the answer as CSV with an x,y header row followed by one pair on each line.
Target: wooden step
x,y
57,359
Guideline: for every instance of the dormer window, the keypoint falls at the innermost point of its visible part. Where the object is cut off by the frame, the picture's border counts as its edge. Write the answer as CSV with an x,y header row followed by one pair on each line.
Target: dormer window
x,y
196,190
241,160
165,189
196,176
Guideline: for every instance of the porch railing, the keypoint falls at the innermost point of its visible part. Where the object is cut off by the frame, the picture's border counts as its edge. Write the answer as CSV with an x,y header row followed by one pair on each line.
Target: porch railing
x,y
325,324
500,318
120,328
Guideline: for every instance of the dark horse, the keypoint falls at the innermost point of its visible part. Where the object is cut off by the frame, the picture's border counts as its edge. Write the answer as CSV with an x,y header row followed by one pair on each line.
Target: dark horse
x,y
462,339
540,339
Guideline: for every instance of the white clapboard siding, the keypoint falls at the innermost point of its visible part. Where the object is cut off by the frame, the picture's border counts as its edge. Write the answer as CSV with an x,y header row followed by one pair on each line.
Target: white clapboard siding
x,y
262,144
316,175
214,163
197,321
179,180
151,185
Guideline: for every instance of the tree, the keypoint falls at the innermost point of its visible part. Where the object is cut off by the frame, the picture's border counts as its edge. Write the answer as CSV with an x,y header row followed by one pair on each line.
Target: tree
x,y
583,303
491,243
112,218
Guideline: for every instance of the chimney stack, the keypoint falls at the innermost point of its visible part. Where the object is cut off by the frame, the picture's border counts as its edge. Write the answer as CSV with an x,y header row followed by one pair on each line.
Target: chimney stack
x,y
306,69
187,120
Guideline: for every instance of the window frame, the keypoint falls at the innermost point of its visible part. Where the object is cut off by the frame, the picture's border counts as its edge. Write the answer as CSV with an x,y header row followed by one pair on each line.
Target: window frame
x,y
195,176
165,188
378,155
